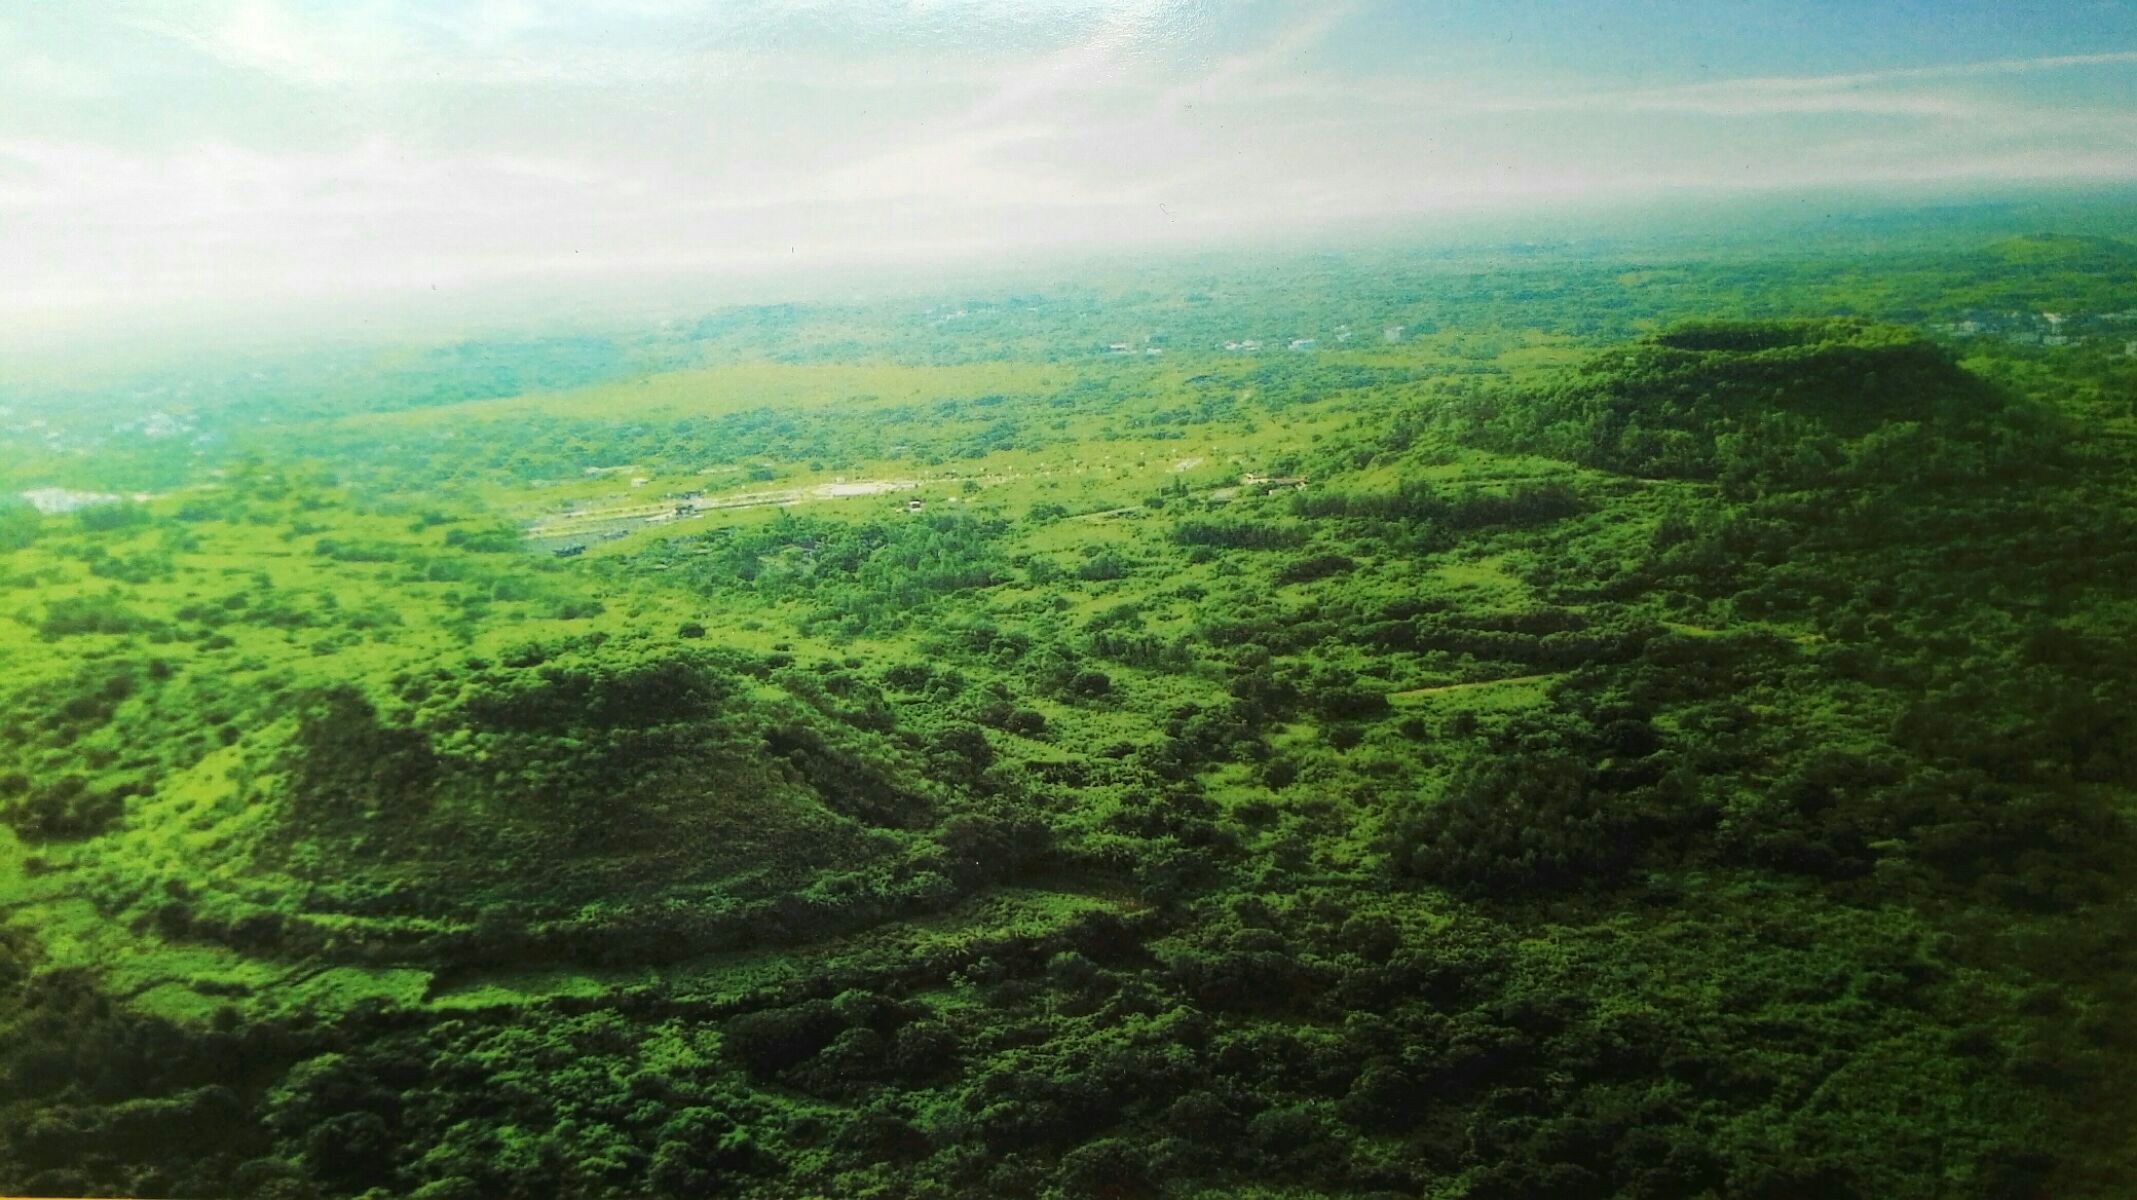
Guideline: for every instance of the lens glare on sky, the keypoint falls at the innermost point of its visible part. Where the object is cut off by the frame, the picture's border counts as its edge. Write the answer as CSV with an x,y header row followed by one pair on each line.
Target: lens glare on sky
x,y
241,152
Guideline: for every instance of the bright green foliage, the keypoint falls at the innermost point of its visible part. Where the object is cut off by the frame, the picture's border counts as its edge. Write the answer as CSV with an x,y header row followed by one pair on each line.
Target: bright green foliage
x,y
1624,737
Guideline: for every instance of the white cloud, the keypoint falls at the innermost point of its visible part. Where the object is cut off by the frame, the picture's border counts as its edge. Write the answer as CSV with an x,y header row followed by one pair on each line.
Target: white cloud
x,y
240,146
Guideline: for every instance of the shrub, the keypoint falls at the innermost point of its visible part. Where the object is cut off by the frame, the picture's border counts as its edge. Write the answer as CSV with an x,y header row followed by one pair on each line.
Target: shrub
x,y
1319,566
65,809
774,1040
1090,684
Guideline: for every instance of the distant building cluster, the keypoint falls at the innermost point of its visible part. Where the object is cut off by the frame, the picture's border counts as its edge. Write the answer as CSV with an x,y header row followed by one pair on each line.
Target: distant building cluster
x,y
159,424
80,435
52,500
1341,335
2052,329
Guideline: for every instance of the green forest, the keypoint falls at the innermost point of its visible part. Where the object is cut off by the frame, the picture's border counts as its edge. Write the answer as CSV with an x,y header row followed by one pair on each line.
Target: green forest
x,y
1531,722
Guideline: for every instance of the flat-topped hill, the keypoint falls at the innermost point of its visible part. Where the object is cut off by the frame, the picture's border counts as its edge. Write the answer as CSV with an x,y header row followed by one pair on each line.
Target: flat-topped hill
x,y
1790,401
2064,249
618,800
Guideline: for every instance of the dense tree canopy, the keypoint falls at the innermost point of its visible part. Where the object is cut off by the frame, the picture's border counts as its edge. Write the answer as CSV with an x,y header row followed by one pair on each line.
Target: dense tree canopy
x,y
1628,731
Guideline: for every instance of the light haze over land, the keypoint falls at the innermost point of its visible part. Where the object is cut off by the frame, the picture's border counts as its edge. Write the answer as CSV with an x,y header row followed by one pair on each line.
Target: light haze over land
x,y
1056,601
233,157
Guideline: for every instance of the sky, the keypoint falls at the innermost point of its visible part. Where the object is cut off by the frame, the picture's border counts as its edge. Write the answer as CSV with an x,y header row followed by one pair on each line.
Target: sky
x,y
250,154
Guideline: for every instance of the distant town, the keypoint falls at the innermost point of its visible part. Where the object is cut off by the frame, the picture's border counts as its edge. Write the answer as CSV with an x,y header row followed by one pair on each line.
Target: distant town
x,y
2051,329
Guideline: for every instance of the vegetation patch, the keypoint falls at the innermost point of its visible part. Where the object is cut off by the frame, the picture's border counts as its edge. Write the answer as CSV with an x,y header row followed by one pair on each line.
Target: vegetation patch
x,y
1557,741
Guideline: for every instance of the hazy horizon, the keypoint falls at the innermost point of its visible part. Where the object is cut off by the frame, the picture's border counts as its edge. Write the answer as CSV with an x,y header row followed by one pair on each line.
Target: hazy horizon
x,y
245,158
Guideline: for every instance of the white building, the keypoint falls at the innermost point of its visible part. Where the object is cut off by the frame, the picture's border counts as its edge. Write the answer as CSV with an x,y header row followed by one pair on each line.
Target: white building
x,y
53,500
